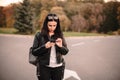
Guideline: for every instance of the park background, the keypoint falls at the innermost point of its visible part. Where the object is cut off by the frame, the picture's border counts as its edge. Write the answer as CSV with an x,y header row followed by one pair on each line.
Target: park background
x,y
92,58
81,16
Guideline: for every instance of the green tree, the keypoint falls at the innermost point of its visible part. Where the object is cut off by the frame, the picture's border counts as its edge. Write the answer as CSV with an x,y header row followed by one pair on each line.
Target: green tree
x,y
24,18
42,16
37,6
118,15
110,23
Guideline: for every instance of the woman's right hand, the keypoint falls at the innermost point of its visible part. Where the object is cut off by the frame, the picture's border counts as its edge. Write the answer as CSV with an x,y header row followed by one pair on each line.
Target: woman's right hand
x,y
49,44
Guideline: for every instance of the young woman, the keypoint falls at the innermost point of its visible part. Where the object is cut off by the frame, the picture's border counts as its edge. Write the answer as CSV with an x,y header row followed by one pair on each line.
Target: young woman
x,y
50,46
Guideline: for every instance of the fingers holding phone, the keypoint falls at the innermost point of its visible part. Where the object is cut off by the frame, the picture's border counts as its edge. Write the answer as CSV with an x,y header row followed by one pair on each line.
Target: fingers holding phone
x,y
59,42
49,44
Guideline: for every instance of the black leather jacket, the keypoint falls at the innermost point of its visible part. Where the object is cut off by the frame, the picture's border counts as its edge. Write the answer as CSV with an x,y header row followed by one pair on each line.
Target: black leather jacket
x,y
44,53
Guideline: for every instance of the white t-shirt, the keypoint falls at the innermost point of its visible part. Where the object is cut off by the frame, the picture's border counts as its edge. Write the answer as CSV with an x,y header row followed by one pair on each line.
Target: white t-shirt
x,y
53,62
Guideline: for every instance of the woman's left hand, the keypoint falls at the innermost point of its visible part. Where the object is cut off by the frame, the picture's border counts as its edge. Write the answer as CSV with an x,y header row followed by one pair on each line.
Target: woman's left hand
x,y
59,42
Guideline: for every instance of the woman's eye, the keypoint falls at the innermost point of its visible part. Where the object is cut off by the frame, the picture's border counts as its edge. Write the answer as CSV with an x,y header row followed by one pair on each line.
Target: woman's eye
x,y
50,25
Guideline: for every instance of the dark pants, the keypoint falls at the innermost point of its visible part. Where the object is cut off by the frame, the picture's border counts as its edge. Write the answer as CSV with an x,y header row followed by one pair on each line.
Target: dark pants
x,y
48,73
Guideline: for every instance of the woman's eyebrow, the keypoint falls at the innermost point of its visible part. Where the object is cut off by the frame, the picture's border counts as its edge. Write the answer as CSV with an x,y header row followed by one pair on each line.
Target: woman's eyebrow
x,y
51,25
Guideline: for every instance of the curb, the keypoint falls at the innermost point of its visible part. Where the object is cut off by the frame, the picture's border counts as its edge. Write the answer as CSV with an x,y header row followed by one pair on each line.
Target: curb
x,y
16,35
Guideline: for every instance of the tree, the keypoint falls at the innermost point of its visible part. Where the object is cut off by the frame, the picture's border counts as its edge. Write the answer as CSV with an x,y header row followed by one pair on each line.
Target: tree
x,y
118,15
110,23
71,8
24,17
9,17
94,1
37,6
43,14
92,13
2,18
79,24
65,22
48,4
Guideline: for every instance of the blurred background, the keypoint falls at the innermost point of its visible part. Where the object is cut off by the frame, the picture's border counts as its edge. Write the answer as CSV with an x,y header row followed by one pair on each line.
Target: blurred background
x,y
93,58
89,16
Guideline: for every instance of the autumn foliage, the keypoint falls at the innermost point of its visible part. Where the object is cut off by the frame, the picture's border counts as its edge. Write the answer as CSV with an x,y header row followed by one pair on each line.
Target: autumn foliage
x,y
74,15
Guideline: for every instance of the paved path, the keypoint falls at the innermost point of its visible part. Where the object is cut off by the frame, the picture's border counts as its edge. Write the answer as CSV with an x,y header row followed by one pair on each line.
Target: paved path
x,y
93,58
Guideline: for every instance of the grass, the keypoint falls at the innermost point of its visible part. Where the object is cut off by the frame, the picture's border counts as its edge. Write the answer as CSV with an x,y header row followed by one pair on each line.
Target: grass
x,y
72,34
7,30
67,34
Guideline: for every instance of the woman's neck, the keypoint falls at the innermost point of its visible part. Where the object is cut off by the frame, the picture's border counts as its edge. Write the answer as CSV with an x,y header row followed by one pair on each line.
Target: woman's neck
x,y
51,33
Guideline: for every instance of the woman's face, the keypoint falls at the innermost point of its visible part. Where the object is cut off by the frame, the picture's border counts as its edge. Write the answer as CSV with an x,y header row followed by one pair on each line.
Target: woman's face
x,y
52,26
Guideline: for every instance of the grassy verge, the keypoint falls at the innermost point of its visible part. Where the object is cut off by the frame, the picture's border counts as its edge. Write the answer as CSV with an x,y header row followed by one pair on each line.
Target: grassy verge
x,y
7,30
72,34
67,34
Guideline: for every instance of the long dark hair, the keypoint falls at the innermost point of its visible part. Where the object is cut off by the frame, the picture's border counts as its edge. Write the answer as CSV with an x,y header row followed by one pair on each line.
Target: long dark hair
x,y
51,17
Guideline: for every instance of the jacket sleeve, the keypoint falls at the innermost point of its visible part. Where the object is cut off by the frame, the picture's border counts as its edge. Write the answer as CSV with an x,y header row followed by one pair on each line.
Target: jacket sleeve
x,y
38,45
63,50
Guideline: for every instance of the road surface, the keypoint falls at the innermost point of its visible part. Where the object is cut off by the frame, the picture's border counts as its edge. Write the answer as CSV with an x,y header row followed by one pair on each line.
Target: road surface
x,y
93,58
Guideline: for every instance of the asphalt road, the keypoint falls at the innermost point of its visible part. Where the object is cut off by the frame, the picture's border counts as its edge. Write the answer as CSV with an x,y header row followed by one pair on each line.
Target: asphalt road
x,y
93,58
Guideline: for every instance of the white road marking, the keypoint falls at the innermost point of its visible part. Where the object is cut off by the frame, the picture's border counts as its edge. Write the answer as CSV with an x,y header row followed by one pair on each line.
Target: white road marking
x,y
70,73
77,44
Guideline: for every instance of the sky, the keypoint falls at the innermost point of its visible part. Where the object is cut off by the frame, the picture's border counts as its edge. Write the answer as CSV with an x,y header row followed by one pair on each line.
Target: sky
x,y
7,2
